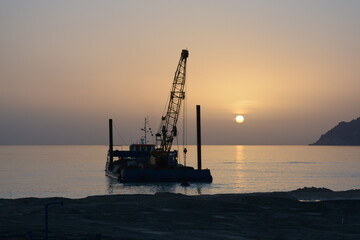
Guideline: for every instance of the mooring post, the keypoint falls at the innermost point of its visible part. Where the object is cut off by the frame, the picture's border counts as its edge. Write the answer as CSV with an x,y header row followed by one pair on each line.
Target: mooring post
x,y
111,140
61,203
198,135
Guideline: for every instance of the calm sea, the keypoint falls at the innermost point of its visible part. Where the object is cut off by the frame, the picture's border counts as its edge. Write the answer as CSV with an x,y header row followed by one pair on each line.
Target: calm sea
x,y
78,171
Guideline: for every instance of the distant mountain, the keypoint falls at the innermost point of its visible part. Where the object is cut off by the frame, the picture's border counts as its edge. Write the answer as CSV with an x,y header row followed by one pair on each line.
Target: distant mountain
x,y
345,133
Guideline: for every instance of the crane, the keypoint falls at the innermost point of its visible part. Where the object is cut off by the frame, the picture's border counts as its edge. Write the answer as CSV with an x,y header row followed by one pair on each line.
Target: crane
x,y
157,162
168,131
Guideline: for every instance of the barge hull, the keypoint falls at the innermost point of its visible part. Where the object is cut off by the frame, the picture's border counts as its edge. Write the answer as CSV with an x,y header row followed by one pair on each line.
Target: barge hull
x,y
164,175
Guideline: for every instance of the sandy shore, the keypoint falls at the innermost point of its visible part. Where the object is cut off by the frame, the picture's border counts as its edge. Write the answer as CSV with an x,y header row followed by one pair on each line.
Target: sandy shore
x,y
278,215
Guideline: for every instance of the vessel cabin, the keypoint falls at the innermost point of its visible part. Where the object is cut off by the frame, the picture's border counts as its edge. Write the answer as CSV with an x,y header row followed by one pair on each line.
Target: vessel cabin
x,y
141,156
142,147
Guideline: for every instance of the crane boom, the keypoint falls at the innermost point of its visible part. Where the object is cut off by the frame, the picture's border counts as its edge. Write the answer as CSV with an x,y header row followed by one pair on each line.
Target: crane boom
x,y
168,129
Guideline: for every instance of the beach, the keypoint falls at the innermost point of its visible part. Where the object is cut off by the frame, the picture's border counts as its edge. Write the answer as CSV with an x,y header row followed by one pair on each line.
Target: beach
x,y
307,213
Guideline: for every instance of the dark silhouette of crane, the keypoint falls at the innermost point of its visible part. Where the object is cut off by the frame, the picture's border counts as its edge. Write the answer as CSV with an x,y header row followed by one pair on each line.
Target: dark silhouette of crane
x,y
157,162
168,130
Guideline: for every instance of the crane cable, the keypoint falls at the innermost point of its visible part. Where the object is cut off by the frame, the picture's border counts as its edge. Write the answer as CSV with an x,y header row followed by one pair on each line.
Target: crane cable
x,y
164,113
118,133
185,125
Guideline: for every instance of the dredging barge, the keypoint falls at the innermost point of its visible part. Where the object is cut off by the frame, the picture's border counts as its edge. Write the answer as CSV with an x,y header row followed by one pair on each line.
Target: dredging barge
x,y
145,162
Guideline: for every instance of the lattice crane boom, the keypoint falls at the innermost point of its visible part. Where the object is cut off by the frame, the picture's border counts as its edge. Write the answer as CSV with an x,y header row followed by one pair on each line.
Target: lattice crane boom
x,y
168,129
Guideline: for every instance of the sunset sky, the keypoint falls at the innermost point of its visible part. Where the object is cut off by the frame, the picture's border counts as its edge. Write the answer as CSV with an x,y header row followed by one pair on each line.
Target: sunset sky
x,y
291,68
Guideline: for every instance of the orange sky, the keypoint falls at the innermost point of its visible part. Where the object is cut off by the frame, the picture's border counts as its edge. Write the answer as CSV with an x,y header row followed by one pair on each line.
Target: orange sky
x,y
291,68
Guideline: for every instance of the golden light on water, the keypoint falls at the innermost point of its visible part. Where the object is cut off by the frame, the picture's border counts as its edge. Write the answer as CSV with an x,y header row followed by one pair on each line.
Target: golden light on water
x,y
239,119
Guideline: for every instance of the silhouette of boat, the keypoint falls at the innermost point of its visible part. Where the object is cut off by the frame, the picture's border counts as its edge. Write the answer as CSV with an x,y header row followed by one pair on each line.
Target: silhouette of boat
x,y
145,162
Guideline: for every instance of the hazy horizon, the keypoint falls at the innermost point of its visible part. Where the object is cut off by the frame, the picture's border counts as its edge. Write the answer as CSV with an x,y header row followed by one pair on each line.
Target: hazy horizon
x,y
290,68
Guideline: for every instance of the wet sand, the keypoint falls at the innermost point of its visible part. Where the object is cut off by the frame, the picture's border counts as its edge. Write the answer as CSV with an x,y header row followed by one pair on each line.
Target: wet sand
x,y
320,214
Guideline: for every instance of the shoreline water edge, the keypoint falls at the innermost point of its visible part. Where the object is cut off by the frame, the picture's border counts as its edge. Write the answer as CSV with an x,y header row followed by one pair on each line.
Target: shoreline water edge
x,y
306,213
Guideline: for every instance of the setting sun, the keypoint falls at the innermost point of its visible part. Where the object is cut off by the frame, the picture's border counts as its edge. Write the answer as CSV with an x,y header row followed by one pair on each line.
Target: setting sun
x,y
239,119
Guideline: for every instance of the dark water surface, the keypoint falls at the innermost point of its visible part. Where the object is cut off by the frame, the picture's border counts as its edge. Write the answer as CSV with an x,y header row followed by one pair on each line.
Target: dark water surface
x,y
78,171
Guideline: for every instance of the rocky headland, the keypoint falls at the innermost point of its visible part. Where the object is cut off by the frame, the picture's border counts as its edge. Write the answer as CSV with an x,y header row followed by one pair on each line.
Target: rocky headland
x,y
344,134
